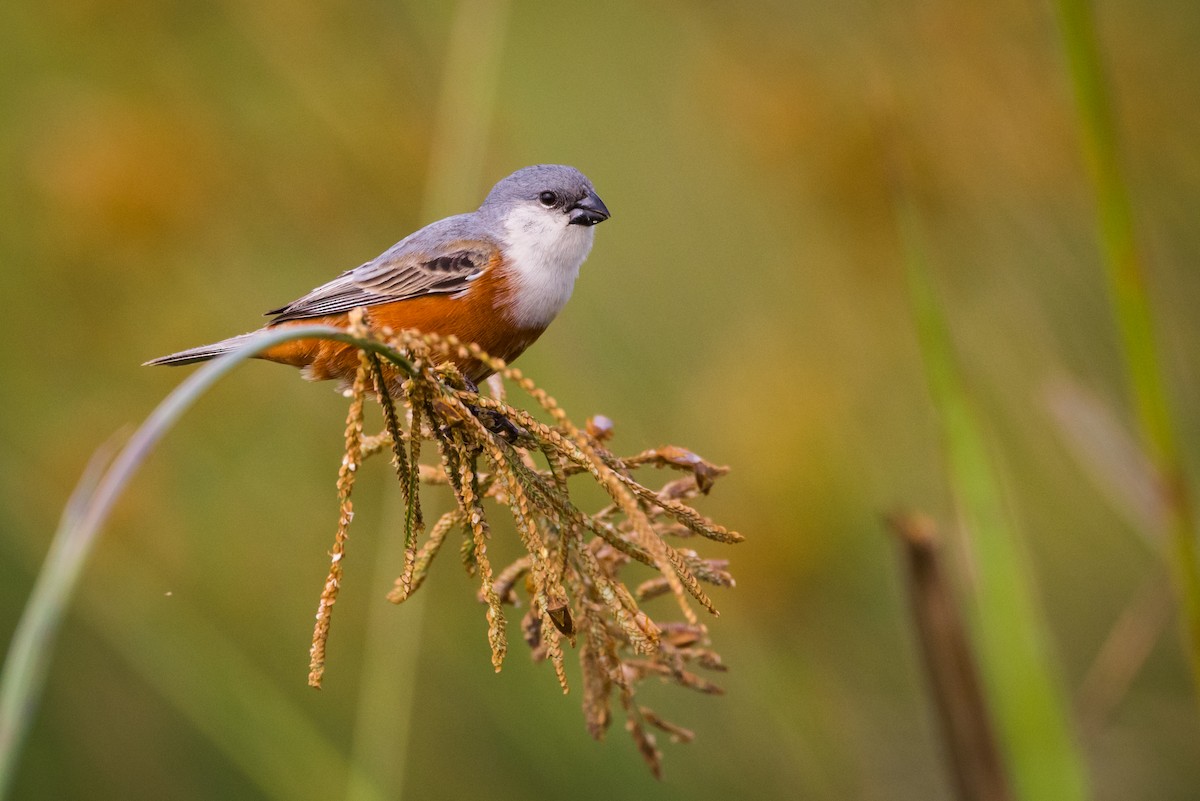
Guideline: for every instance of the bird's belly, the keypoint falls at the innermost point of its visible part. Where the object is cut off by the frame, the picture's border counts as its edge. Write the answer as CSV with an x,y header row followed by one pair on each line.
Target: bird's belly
x,y
470,320
446,316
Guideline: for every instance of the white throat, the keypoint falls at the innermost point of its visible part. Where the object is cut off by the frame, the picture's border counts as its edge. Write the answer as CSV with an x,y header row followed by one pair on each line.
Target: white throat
x,y
544,254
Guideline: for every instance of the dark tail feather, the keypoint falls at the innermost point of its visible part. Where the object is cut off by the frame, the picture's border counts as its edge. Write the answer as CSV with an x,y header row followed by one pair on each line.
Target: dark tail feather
x,y
202,353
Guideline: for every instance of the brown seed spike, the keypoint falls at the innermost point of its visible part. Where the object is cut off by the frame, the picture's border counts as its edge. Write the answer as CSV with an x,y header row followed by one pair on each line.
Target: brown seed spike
x,y
345,484
571,573
678,733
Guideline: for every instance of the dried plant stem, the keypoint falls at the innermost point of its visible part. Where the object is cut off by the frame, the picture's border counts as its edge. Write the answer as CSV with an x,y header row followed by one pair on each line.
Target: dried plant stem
x,y
487,448
410,582
582,452
345,485
537,486
584,455
473,507
532,540
459,465
406,467
642,633
953,678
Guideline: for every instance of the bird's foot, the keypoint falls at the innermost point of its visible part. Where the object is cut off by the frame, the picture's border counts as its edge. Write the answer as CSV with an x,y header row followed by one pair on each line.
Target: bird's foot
x,y
500,425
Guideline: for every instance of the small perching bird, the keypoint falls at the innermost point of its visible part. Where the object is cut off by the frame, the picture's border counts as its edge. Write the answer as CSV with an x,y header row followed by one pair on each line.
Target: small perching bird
x,y
496,276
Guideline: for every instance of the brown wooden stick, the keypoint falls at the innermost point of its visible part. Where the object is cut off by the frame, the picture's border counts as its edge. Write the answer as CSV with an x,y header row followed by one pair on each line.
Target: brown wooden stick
x,y
971,746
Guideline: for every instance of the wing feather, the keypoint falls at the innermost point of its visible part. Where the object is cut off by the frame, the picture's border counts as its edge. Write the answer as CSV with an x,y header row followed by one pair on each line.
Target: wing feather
x,y
405,271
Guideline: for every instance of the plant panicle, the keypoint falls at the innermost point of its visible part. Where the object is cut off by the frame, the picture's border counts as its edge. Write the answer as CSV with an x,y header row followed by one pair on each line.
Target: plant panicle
x,y
571,572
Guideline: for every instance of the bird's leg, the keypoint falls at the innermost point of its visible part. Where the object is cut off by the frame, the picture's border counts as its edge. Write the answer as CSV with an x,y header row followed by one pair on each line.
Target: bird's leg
x,y
494,421
499,425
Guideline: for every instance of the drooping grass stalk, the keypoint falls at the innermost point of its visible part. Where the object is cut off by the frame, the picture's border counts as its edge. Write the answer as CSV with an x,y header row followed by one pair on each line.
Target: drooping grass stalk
x,y
1127,280
1009,634
24,672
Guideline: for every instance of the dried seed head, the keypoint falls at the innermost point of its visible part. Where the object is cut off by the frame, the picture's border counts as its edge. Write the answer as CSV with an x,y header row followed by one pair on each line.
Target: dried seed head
x,y
571,572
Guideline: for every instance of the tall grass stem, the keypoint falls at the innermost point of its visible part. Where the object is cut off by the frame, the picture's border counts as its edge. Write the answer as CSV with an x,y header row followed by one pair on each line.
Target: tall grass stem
x,y
1127,286
1009,634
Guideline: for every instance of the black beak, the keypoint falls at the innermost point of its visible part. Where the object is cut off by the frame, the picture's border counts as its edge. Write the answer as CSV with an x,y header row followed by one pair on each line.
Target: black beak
x,y
589,210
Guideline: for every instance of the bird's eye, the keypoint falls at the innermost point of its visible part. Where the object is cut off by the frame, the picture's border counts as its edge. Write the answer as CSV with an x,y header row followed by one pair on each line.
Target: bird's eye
x,y
548,198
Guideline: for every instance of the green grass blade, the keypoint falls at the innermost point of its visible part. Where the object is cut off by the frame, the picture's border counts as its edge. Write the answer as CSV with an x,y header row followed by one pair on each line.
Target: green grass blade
x,y
25,662
1127,281
1010,637
29,652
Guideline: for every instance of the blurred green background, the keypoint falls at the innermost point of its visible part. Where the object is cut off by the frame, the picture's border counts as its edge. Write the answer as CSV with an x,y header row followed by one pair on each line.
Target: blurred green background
x,y
168,171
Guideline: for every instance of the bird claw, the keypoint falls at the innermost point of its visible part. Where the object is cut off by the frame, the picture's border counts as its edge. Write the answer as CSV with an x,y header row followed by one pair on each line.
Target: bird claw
x,y
500,425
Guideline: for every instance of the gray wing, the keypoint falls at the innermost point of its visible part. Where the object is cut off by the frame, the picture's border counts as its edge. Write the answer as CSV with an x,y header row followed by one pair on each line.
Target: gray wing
x,y
432,261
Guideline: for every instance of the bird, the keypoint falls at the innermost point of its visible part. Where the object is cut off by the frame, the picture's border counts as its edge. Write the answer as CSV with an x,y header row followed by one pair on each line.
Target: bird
x,y
496,276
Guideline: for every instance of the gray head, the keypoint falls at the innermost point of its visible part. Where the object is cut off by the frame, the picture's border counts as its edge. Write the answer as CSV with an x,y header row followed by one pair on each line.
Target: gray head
x,y
562,192
544,217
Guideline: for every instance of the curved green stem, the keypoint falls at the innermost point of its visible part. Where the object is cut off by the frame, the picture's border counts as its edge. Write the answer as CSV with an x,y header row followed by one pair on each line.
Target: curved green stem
x,y
24,671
